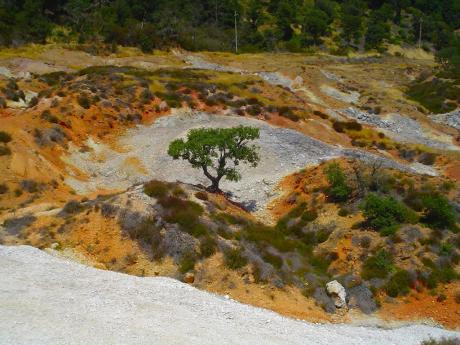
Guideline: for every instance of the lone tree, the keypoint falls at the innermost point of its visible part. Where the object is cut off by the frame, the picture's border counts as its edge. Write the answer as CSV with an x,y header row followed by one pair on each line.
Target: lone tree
x,y
218,151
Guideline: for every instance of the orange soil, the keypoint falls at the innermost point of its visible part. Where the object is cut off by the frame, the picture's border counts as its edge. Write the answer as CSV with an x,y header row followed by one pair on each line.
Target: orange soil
x,y
422,305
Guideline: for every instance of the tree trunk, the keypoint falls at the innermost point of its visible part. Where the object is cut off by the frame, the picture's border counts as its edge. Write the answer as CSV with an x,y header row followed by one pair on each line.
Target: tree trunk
x,y
214,187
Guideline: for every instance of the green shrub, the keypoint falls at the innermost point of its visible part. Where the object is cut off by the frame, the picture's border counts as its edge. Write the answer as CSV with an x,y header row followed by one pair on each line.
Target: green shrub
x,y
156,189
309,215
379,265
208,246
84,101
338,189
187,262
227,218
438,212
384,213
5,138
234,259
343,212
274,260
399,284
47,116
185,213
72,207
263,235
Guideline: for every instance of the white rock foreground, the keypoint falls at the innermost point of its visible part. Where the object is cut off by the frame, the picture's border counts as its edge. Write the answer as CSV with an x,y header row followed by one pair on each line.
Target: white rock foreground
x,y
46,300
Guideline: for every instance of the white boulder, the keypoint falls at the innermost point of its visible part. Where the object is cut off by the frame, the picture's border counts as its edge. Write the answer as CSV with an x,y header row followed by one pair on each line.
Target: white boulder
x,y
337,291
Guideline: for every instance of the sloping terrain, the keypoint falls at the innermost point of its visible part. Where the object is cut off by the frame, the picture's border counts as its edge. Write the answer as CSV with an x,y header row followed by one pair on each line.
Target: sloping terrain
x,y
283,152
356,184
45,300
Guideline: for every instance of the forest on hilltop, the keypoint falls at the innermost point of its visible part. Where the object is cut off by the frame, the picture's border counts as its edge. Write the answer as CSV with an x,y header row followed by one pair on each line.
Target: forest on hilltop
x,y
338,26
263,25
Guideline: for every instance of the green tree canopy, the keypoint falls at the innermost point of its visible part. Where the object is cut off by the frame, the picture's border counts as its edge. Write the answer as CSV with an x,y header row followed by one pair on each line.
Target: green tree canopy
x,y
218,151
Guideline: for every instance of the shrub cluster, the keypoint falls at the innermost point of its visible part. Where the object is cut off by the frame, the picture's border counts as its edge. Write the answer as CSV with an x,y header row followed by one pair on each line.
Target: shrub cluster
x,y
385,214
338,189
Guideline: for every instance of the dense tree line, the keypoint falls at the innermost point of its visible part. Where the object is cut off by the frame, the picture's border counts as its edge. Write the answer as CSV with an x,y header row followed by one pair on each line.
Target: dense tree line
x,y
263,25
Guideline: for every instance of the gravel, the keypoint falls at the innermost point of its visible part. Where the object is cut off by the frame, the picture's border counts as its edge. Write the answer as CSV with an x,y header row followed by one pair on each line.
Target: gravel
x,y
283,151
45,300
451,119
402,128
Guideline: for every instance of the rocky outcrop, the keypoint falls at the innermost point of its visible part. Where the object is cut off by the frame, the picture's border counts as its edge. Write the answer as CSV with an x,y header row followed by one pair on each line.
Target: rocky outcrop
x,y
338,293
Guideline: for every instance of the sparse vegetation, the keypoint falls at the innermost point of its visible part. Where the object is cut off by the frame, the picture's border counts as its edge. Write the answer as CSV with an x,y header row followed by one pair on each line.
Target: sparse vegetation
x,y
380,265
399,284
438,212
386,213
234,258
338,189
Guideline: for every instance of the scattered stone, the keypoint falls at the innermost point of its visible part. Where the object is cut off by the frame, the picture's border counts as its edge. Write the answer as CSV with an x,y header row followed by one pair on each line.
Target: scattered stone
x,y
323,299
337,291
163,106
361,297
451,119
189,278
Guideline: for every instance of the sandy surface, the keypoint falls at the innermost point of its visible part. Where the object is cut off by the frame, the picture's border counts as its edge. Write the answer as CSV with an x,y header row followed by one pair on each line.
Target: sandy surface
x,y
45,300
283,152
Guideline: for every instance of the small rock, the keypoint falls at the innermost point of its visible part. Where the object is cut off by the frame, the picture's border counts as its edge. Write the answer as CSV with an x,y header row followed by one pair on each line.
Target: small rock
x,y
54,245
336,290
189,278
163,106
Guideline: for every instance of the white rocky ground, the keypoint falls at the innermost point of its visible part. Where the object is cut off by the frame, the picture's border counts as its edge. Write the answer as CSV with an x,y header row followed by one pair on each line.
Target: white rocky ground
x,y
451,119
283,152
398,127
45,300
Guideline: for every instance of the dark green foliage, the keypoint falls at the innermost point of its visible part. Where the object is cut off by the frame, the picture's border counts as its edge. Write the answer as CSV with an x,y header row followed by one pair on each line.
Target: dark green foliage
x,y
218,151
384,213
234,258
338,189
5,137
434,94
399,284
209,24
379,265
438,212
